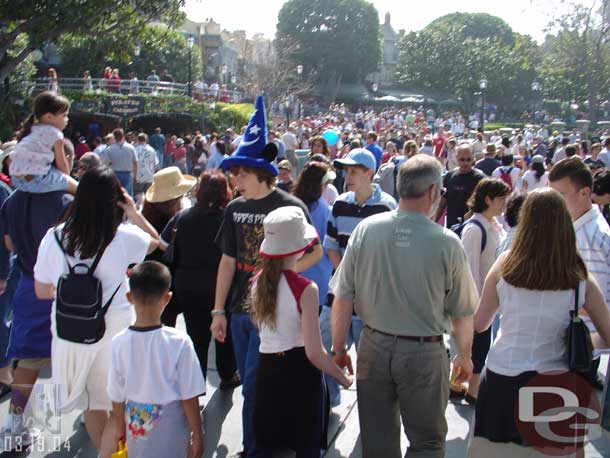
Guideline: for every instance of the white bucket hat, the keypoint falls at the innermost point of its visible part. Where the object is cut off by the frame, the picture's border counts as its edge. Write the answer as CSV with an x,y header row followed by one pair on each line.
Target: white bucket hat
x,y
287,233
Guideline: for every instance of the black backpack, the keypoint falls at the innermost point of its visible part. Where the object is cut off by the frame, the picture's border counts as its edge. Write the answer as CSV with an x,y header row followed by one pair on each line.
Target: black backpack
x,y
79,314
459,227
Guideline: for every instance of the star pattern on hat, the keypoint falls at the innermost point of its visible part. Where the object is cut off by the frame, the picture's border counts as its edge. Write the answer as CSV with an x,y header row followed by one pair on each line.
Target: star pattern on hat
x,y
254,129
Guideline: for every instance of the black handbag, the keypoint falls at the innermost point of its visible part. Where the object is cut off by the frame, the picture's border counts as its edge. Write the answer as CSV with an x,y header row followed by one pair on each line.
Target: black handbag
x,y
79,310
580,346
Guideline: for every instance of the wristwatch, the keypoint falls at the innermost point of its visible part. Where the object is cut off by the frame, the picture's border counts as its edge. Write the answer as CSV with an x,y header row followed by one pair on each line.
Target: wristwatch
x,y
215,312
340,352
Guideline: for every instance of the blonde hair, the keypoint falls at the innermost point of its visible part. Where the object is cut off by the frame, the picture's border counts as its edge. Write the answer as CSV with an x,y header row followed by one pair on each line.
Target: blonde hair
x,y
544,256
263,298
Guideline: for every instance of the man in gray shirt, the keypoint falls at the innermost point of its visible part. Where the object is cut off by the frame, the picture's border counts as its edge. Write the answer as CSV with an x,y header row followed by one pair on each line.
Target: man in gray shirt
x,y
121,157
409,281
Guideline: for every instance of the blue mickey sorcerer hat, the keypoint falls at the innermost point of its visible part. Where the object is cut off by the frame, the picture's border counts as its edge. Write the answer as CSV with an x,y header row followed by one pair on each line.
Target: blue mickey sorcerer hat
x,y
253,150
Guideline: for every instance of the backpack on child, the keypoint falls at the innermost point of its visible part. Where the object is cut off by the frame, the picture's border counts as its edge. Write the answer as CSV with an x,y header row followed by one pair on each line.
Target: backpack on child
x,y
505,176
79,314
459,228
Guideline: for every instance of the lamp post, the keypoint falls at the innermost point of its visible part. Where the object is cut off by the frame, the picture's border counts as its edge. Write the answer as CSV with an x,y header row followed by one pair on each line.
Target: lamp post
x,y
299,73
536,87
287,108
483,87
190,41
223,70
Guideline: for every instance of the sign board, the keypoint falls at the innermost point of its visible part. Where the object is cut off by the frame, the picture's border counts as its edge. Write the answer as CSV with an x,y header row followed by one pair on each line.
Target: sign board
x,y
178,105
85,106
124,106
155,106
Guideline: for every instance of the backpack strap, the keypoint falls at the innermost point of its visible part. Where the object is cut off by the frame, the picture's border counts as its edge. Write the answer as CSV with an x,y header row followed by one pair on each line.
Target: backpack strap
x,y
483,232
107,304
61,247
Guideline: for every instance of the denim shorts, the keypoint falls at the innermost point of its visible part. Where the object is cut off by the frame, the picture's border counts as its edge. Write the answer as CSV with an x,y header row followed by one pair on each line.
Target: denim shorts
x,y
53,180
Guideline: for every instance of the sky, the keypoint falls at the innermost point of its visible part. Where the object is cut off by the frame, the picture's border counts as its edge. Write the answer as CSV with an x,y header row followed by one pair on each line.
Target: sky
x,y
524,16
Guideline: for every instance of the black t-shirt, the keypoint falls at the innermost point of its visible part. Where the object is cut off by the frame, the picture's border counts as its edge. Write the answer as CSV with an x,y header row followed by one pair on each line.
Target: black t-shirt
x,y
195,252
241,235
27,217
459,188
594,164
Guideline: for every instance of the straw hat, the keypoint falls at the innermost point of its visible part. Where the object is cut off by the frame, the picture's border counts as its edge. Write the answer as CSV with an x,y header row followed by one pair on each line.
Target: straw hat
x,y
168,184
287,232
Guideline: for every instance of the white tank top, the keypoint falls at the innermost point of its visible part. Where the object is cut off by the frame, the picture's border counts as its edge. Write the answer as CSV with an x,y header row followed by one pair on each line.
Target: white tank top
x,y
288,332
533,326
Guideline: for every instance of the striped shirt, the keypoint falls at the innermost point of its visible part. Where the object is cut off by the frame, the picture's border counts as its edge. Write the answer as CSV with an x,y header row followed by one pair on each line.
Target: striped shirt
x,y
347,213
593,241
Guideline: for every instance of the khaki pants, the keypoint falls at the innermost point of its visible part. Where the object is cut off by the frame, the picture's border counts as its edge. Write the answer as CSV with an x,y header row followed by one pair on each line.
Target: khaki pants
x,y
402,379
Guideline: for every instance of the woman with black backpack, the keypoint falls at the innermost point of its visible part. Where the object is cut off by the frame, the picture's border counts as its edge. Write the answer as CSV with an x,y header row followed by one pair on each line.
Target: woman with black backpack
x,y
82,263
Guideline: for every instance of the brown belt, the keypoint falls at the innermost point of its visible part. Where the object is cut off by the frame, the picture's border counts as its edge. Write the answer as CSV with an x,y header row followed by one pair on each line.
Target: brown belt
x,y
414,338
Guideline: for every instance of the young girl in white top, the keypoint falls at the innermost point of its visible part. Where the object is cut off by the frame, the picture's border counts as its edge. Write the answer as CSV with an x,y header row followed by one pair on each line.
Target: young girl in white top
x,y
481,239
291,357
155,379
39,163
532,287
537,176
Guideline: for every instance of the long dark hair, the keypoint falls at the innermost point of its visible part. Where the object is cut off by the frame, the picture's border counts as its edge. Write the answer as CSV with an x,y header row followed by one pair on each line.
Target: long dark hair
x,y
308,186
94,216
45,102
158,214
538,167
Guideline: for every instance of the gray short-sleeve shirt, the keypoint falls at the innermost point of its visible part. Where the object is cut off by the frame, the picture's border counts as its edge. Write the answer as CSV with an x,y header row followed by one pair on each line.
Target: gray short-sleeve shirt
x,y
406,275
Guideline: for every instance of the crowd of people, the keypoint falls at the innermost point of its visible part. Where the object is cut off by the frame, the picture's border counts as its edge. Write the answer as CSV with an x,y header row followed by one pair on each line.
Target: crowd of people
x,y
385,236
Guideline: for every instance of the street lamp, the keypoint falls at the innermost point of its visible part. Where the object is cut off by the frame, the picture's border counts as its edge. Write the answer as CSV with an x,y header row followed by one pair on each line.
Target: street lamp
x,y
483,87
137,50
374,87
223,70
287,107
536,87
300,73
190,42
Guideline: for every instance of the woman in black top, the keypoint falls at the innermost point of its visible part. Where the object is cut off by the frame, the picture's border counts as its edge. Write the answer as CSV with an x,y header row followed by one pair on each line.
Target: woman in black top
x,y
194,258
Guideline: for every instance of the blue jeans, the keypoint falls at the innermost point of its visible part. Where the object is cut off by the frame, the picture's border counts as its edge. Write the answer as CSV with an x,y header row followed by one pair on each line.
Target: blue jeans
x,y
245,345
126,180
6,309
160,155
168,161
353,337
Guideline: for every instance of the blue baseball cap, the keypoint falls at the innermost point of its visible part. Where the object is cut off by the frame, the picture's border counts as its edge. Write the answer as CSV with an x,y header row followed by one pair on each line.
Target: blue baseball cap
x,y
358,156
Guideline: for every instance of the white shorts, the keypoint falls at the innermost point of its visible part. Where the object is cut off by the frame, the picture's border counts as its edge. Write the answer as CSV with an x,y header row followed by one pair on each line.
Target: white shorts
x,y
80,370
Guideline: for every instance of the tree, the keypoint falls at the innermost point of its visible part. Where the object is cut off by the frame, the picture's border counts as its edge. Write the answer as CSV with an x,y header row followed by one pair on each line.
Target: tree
x,y
47,20
160,48
335,40
454,52
576,58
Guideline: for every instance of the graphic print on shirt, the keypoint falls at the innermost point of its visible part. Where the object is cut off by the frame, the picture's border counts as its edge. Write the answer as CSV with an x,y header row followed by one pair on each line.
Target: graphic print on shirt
x,y
142,418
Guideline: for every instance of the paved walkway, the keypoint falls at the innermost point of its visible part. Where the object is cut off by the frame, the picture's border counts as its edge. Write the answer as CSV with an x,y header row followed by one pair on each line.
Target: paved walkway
x,y
222,421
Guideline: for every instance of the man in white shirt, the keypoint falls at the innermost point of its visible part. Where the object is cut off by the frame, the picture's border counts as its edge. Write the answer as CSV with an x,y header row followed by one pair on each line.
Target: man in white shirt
x,y
147,164
573,180
560,152
290,142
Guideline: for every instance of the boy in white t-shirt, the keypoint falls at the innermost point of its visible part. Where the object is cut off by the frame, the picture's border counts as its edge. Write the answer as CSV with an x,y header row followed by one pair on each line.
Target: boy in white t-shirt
x,y
155,378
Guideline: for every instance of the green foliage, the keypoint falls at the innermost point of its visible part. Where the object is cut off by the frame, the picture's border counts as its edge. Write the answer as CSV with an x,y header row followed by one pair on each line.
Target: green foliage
x,y
47,20
333,39
160,48
220,118
478,25
454,52
576,58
